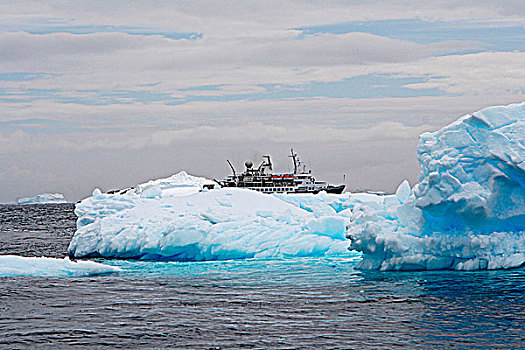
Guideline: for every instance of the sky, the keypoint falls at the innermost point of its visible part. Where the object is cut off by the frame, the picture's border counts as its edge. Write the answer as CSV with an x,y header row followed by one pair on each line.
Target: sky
x,y
109,94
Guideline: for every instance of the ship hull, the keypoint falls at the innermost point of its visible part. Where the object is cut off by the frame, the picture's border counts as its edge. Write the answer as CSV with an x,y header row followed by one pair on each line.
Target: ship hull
x,y
334,189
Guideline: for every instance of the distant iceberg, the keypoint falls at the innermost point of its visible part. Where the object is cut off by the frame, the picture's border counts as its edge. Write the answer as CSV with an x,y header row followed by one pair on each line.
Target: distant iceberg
x,y
467,211
13,265
45,198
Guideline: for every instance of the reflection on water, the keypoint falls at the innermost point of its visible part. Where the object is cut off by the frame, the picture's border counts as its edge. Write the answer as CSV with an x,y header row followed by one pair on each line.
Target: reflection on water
x,y
296,303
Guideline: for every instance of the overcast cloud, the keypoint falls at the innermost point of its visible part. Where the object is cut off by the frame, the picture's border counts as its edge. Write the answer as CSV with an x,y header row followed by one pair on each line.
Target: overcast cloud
x,y
109,94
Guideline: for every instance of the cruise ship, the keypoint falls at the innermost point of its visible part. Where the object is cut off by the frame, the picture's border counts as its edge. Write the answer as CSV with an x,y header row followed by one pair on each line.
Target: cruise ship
x,y
263,180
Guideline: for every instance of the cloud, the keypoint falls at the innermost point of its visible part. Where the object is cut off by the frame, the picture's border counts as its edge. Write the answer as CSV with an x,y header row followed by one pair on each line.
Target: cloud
x,y
513,8
23,46
490,74
310,50
251,132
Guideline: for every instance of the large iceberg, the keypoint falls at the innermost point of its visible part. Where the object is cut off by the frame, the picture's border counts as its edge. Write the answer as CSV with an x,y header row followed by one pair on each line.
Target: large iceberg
x,y
44,198
468,209
207,225
179,218
14,265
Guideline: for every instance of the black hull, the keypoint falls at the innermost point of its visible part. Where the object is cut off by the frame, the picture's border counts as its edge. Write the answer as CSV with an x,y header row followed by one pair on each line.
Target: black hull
x,y
334,189
337,189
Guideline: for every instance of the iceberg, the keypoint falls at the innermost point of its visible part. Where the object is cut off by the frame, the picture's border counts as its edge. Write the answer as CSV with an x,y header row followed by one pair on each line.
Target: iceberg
x,y
13,265
176,185
467,211
217,224
45,198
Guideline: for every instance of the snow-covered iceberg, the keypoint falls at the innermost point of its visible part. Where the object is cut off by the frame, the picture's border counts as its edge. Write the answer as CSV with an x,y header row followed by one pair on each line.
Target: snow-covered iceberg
x,y
468,209
207,225
44,198
176,185
13,265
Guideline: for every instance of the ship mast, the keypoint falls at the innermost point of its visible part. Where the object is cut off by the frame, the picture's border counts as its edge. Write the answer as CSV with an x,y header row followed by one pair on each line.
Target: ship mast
x,y
231,166
294,157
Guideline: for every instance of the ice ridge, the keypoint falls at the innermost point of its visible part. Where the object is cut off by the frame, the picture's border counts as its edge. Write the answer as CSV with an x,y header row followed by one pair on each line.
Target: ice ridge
x,y
467,210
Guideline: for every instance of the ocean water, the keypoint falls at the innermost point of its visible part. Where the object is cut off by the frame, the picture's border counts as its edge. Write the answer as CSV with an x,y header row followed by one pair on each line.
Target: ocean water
x,y
254,304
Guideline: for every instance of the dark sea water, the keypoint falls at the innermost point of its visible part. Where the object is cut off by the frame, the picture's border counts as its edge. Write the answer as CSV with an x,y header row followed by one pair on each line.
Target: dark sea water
x,y
252,304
